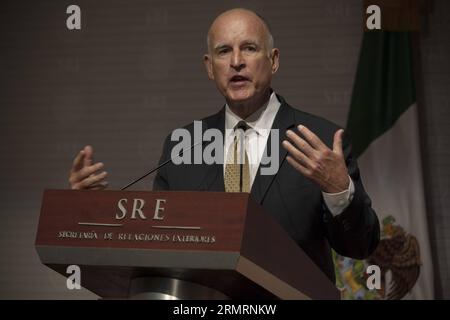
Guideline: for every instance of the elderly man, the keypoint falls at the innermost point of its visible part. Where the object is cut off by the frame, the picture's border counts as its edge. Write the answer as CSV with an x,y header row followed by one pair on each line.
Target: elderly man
x,y
316,195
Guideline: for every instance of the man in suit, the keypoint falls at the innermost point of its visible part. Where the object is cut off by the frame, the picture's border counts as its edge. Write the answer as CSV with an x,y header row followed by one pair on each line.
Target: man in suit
x,y
316,194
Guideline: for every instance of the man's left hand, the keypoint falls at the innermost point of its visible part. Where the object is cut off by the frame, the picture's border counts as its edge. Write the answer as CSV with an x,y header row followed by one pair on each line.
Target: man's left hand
x,y
313,159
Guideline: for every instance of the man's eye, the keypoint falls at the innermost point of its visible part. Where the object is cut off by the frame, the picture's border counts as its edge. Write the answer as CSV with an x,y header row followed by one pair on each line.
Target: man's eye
x,y
251,49
223,51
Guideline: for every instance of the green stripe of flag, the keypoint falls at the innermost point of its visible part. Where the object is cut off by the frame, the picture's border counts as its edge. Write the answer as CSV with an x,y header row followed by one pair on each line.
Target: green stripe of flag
x,y
383,88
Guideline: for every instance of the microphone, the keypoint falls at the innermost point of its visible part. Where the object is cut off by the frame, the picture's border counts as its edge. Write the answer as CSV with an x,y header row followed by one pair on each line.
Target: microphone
x,y
274,176
159,166
242,125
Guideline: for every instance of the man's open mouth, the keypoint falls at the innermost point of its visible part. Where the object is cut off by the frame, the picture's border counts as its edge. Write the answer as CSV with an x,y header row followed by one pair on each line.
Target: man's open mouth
x,y
238,79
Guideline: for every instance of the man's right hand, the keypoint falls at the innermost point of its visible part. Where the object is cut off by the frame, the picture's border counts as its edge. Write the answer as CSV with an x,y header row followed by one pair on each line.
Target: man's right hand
x,y
84,174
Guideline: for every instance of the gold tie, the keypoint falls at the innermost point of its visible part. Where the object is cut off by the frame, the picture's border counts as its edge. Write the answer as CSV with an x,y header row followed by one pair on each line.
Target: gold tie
x,y
237,173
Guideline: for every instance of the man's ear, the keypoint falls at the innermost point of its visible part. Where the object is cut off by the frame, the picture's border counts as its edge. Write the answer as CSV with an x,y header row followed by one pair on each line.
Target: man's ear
x,y
275,59
208,65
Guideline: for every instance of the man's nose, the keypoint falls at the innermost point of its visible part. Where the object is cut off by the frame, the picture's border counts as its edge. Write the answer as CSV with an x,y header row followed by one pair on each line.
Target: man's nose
x,y
237,61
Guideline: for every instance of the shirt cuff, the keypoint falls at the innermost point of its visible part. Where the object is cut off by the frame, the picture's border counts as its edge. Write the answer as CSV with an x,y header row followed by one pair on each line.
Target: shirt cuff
x,y
338,202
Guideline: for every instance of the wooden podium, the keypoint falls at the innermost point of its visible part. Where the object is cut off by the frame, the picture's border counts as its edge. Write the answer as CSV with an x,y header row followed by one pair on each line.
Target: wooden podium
x,y
165,245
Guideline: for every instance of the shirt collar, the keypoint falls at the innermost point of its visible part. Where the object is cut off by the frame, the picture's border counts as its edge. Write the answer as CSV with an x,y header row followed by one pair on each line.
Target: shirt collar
x,y
261,120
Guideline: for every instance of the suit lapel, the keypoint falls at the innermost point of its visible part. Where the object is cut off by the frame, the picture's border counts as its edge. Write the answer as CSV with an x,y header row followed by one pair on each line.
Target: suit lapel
x,y
283,121
213,180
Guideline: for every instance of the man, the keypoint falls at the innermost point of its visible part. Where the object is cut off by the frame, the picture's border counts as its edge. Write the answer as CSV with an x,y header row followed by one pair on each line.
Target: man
x,y
317,195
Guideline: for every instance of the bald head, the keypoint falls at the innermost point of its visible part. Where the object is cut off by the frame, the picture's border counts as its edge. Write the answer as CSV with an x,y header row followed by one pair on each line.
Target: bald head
x,y
239,16
241,59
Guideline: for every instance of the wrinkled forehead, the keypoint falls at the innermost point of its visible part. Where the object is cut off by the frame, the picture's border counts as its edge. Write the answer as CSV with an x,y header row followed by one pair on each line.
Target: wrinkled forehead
x,y
237,29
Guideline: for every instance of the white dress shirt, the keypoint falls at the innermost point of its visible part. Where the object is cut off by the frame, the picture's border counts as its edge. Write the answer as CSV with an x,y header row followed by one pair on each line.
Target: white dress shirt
x,y
255,142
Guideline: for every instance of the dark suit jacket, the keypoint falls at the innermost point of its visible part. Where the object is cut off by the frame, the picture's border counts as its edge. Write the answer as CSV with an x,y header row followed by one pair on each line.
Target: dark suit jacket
x,y
293,200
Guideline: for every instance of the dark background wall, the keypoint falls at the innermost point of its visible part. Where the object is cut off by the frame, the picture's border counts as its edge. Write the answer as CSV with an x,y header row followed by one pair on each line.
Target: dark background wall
x,y
134,72
434,109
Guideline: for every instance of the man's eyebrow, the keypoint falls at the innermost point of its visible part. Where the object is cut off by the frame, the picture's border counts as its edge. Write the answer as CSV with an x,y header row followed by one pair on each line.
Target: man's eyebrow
x,y
244,43
251,42
221,46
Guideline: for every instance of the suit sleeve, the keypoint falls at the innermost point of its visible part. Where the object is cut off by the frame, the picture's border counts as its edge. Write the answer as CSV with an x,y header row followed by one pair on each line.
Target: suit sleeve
x,y
355,232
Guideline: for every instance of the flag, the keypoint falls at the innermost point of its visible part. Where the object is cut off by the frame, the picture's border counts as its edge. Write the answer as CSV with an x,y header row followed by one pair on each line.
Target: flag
x,y
383,127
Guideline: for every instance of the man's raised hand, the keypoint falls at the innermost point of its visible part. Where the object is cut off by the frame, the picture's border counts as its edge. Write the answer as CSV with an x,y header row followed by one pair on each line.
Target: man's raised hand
x,y
84,174
313,159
